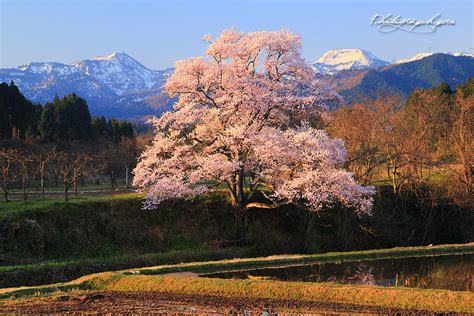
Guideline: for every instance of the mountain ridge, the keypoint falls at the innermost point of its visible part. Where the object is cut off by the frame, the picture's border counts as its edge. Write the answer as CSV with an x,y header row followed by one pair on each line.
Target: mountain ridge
x,y
401,79
117,85
103,80
424,55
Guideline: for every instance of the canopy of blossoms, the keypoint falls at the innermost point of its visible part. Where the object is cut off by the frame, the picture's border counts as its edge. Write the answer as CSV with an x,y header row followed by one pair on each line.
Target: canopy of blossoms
x,y
243,122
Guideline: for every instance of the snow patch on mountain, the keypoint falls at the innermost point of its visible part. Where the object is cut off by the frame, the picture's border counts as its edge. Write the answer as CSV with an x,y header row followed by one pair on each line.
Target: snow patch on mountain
x,y
109,57
121,73
337,60
423,55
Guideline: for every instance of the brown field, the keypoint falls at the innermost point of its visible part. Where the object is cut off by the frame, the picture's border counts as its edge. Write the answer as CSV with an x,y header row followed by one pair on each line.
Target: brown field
x,y
182,304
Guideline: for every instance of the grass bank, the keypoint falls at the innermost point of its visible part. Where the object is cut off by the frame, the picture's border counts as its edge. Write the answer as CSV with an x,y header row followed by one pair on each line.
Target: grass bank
x,y
279,260
406,298
62,271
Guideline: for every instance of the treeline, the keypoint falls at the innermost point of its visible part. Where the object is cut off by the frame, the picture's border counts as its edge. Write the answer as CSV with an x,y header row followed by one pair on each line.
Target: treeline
x,y
424,147
61,145
63,119
419,156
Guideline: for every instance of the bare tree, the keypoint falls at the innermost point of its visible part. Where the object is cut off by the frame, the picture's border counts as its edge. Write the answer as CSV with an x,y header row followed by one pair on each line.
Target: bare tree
x,y
64,166
8,159
72,165
463,138
26,172
80,161
364,128
128,154
43,160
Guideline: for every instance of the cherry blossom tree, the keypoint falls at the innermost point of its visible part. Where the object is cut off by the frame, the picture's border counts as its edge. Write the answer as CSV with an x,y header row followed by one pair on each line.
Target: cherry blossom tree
x,y
243,122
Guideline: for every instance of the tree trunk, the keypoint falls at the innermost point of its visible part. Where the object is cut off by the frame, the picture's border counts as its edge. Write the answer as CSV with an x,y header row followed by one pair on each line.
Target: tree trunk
x,y
75,183
466,170
23,185
394,177
65,191
239,189
240,221
428,225
309,228
42,184
42,172
5,184
126,176
112,179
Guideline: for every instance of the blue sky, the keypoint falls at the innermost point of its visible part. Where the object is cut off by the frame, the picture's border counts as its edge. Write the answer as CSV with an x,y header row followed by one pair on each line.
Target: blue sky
x,y
157,33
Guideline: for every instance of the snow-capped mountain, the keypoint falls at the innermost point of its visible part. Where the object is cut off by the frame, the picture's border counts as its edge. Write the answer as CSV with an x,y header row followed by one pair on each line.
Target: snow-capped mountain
x,y
334,61
119,86
423,55
103,81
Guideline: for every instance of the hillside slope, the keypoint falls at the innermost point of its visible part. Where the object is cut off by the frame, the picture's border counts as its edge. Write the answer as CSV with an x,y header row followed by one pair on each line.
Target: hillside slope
x,y
402,79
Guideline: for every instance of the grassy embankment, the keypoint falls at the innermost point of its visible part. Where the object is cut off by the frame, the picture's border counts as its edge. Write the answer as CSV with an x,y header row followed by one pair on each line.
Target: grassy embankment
x,y
46,241
53,271
18,205
141,280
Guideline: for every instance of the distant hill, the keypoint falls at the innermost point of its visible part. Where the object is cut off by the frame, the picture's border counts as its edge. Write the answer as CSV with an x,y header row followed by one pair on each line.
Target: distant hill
x,y
424,55
402,79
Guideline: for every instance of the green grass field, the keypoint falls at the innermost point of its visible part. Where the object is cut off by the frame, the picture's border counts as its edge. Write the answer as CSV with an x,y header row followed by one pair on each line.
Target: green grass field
x,y
39,203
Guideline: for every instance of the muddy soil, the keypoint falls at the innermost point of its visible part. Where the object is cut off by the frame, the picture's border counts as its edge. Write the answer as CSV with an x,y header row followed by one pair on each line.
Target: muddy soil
x,y
94,303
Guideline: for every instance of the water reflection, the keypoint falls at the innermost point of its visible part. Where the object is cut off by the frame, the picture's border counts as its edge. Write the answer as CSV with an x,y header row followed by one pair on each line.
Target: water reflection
x,y
453,272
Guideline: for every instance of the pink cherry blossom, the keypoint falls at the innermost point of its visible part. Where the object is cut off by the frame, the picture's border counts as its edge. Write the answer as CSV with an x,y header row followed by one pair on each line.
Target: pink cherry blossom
x,y
241,122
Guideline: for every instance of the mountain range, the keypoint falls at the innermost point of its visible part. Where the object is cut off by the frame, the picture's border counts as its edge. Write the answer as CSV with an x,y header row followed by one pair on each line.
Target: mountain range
x,y
119,86
116,85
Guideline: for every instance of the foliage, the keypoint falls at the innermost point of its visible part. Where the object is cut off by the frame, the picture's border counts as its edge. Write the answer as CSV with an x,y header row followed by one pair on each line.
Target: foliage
x,y
112,129
67,118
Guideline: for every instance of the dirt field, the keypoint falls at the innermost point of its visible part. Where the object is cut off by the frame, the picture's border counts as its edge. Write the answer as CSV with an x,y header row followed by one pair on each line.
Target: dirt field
x,y
178,304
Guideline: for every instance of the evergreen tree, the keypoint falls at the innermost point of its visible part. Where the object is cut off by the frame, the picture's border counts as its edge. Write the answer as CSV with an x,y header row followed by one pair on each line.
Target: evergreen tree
x,y
99,125
47,122
18,116
66,119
